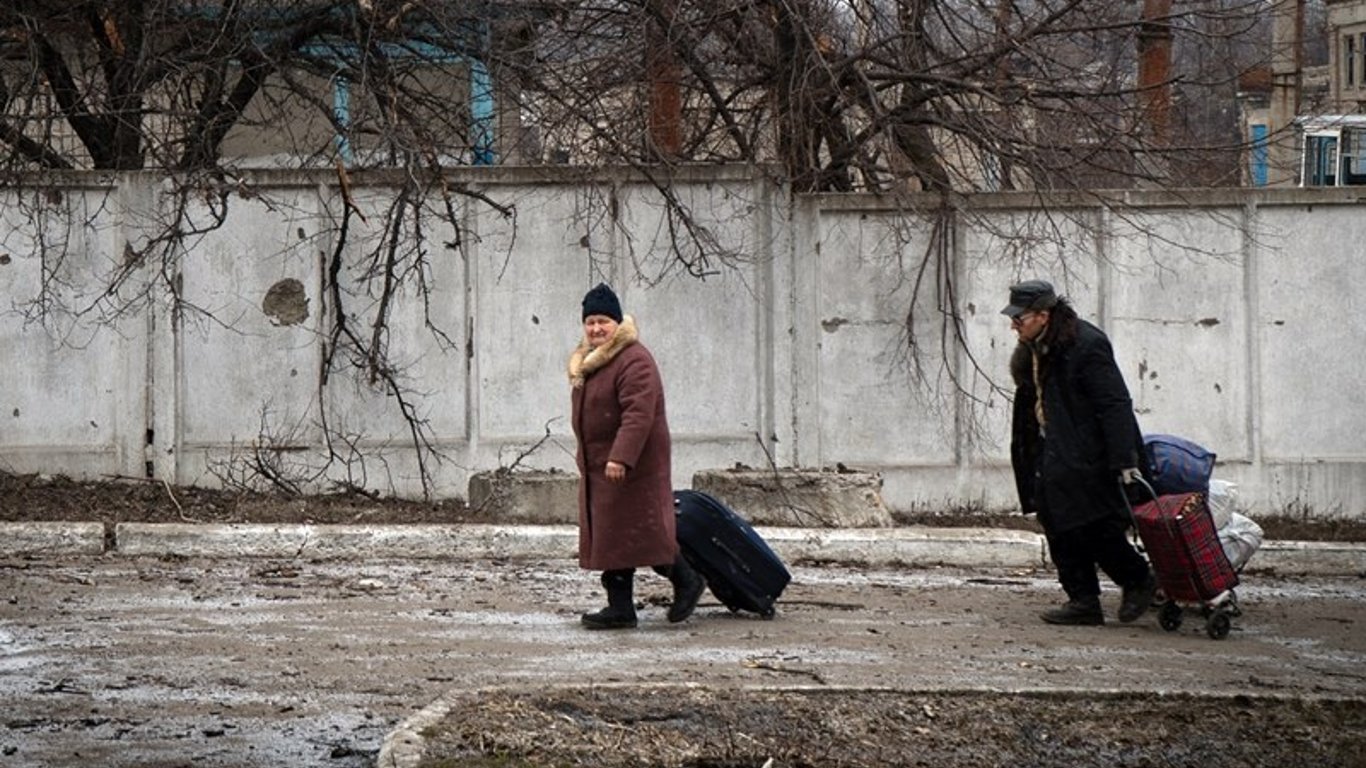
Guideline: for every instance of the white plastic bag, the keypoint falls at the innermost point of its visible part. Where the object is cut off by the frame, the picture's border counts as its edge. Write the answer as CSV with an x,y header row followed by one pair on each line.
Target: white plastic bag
x,y
1240,538
1222,497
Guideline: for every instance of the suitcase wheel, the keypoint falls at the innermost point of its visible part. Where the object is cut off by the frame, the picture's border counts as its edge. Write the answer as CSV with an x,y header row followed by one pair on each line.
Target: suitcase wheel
x,y
1169,617
1218,625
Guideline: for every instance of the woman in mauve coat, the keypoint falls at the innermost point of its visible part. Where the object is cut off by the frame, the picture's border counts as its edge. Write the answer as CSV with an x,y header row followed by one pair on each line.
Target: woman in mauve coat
x,y
626,509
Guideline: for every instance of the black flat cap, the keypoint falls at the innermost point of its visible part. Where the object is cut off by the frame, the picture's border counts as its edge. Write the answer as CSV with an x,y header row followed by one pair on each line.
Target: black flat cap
x,y
1030,295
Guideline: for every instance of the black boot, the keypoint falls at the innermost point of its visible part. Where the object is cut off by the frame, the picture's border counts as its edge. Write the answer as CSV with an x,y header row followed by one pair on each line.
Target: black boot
x,y
688,587
1137,599
1077,611
620,612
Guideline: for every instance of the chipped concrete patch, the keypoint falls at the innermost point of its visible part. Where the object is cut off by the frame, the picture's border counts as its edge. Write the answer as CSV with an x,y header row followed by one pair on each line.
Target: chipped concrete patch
x,y
800,497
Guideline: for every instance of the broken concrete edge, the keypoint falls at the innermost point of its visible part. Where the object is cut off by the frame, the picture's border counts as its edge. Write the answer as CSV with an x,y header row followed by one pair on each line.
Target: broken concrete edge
x,y
873,547
405,745
973,547
815,498
52,538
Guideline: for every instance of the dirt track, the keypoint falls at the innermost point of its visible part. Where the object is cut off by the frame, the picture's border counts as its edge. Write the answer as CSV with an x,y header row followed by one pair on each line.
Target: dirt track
x,y
130,661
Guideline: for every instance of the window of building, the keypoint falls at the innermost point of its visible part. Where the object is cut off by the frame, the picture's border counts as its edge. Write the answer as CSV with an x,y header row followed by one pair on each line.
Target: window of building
x,y
1335,156
1349,60
1320,161
1353,157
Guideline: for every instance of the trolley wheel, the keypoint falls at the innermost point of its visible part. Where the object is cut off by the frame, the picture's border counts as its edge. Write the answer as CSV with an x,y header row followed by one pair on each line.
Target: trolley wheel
x,y
1218,625
1169,618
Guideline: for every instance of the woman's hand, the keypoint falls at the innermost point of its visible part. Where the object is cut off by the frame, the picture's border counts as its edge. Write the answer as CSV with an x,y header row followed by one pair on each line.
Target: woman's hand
x,y
616,472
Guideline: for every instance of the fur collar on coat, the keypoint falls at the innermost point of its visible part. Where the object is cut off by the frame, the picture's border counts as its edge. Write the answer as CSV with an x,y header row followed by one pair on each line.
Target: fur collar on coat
x,y
1061,332
586,360
1021,365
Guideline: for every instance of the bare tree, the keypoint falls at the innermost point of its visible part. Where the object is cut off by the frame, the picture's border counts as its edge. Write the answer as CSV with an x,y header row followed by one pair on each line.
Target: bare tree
x,y
885,96
201,88
905,96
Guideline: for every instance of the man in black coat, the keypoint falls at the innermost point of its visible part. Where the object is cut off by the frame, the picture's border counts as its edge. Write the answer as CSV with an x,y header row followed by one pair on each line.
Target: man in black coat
x,y
1074,440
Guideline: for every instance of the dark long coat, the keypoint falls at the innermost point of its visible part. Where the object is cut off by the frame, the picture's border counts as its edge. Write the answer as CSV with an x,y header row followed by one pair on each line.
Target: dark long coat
x,y
618,415
1070,477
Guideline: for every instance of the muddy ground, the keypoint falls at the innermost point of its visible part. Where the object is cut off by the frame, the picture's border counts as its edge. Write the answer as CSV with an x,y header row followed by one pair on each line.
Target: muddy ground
x,y
134,661
125,661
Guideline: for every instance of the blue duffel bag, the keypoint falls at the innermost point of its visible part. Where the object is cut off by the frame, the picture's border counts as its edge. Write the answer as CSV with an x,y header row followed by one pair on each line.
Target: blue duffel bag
x,y
1178,465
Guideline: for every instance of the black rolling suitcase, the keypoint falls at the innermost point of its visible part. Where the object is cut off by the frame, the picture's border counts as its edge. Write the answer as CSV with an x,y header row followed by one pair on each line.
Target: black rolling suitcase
x,y
738,565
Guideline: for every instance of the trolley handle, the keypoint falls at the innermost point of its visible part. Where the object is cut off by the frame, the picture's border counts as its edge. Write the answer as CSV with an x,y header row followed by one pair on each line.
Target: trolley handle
x,y
1124,494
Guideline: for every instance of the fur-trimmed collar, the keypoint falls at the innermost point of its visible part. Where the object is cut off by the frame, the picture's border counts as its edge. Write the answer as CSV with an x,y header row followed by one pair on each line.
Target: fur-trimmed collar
x,y
1021,365
586,360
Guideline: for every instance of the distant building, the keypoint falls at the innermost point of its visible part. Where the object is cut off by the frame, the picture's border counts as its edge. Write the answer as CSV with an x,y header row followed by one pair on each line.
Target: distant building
x,y
1331,140
1347,51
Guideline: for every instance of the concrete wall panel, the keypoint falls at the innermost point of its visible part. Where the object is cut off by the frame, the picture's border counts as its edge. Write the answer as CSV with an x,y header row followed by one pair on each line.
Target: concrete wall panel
x,y
867,278
71,385
1311,328
531,274
1176,313
1234,316
428,324
246,374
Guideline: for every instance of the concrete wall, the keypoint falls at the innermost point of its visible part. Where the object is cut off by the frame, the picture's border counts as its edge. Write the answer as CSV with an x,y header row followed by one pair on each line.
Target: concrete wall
x,y
1236,316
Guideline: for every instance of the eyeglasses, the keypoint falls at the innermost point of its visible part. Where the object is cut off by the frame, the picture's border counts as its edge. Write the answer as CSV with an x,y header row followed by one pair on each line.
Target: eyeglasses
x,y
1020,318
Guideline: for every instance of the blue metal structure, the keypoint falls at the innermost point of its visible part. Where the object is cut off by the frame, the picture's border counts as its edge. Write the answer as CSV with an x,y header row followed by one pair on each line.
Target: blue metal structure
x,y
1258,156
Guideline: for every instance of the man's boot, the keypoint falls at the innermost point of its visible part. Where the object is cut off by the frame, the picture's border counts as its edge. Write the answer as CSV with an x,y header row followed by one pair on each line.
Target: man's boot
x,y
688,587
1084,611
620,612
1137,598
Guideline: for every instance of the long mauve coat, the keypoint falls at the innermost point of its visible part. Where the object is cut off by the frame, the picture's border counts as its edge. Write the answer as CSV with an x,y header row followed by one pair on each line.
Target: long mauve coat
x,y
618,415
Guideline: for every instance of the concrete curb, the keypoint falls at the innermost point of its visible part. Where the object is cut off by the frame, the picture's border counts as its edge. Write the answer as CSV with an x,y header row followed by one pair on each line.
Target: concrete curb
x,y
405,745
1317,558
961,547
973,547
888,546
969,547
458,542
52,538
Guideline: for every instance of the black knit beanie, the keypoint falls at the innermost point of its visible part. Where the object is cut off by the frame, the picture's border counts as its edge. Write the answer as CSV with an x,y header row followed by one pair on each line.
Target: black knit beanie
x,y
601,301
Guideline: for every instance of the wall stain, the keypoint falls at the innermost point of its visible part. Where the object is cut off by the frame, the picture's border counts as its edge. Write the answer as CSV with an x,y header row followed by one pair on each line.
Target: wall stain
x,y
286,302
